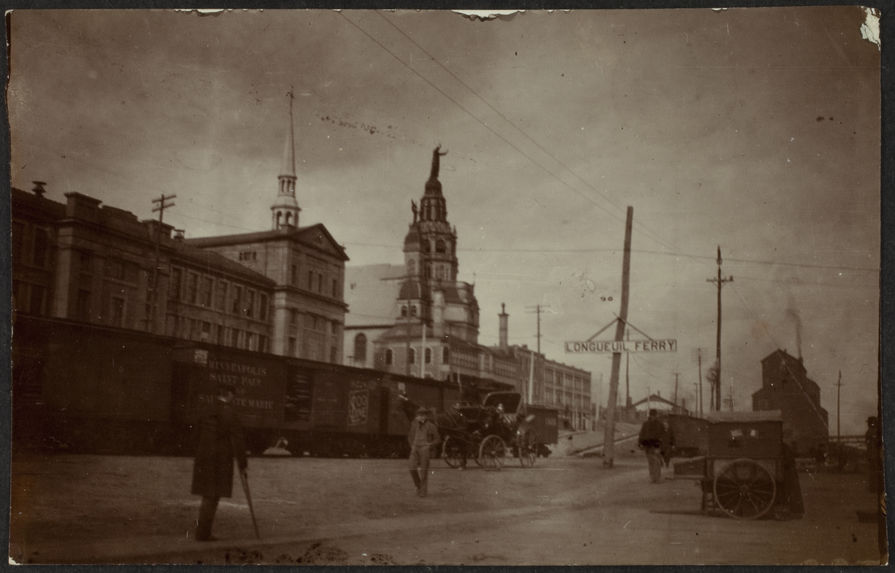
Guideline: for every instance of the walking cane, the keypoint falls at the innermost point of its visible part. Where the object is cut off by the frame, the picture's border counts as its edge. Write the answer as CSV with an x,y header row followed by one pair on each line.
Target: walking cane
x,y
245,488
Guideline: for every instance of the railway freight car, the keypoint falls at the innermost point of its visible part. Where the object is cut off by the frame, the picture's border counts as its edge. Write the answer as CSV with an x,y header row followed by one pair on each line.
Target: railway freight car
x,y
88,388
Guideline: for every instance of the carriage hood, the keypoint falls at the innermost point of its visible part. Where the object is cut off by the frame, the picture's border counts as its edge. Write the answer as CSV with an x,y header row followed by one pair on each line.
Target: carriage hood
x,y
512,401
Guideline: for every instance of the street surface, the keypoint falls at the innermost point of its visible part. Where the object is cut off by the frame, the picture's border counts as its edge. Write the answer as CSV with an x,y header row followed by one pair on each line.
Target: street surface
x,y
564,511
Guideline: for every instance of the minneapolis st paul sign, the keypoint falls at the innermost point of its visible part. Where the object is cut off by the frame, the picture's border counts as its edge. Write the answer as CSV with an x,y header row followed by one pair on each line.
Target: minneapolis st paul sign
x,y
613,346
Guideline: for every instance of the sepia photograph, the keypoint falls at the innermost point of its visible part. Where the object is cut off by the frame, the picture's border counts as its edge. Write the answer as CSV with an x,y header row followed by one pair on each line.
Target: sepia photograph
x,y
441,287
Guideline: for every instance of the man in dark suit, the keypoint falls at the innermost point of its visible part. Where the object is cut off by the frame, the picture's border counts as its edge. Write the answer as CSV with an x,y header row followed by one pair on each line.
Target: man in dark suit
x,y
423,435
220,441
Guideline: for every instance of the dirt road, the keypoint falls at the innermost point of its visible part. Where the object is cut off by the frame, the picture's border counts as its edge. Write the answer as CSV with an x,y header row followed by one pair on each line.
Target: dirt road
x,y
101,509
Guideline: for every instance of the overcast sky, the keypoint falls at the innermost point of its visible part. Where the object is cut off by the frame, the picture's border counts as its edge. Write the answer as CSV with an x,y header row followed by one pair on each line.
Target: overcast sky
x,y
754,129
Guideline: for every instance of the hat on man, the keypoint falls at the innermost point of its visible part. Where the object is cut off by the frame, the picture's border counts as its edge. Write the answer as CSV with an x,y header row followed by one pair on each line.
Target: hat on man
x,y
653,413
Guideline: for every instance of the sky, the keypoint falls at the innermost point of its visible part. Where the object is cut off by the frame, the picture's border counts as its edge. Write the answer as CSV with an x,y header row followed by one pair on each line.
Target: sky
x,y
754,129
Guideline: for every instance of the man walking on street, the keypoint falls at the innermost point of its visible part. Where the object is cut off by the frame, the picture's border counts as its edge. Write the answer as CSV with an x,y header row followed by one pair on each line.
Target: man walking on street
x,y
422,436
220,441
652,434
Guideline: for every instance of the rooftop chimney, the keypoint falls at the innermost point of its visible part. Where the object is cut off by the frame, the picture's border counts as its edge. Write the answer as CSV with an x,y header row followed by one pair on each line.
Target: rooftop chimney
x,y
503,326
178,234
39,188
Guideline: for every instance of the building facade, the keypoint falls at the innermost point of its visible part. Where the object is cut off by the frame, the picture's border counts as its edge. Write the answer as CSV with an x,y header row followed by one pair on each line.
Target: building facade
x,y
278,291
419,320
786,387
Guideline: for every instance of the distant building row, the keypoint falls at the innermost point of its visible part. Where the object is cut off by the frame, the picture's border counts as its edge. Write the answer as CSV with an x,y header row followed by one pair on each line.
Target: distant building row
x,y
280,291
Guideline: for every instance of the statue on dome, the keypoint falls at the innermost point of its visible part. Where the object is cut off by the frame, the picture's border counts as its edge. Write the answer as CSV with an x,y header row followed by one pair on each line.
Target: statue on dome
x,y
436,154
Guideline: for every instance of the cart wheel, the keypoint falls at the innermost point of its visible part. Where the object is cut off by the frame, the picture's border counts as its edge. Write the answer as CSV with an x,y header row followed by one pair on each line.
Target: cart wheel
x,y
452,452
491,452
745,489
526,449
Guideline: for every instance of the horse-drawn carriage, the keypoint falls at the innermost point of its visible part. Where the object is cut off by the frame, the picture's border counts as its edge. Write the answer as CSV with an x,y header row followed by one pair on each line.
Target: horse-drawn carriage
x,y
742,473
490,433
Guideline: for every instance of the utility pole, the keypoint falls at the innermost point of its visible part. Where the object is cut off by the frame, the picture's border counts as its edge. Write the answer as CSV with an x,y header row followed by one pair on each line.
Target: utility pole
x,y
538,309
627,377
160,205
699,359
620,325
675,388
716,390
838,390
423,347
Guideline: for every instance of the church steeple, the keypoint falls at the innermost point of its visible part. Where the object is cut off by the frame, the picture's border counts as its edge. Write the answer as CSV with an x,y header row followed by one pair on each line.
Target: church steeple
x,y
285,209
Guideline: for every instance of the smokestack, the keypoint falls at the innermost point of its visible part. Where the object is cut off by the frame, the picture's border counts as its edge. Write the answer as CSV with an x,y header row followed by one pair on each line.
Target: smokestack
x,y
39,188
503,326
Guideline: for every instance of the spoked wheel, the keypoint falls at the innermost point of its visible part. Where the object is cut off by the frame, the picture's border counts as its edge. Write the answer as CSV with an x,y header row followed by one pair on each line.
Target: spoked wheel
x,y
745,489
452,452
491,452
526,449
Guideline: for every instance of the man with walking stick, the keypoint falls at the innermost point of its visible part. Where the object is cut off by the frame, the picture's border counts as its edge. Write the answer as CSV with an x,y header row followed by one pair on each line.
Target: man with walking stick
x,y
220,441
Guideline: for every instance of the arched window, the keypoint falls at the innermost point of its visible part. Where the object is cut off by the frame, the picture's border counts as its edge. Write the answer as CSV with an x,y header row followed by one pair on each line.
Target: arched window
x,y
411,356
424,245
279,219
389,357
413,310
360,348
404,310
445,355
439,246
428,356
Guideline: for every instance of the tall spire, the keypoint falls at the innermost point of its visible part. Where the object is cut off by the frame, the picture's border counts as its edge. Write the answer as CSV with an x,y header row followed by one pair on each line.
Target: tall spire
x,y
433,183
285,210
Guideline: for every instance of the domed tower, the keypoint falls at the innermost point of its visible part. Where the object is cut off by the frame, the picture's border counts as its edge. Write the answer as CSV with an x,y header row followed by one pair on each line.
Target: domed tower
x,y
285,209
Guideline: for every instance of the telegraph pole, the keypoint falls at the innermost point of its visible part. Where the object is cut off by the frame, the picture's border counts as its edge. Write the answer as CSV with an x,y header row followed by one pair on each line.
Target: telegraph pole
x,y
620,325
160,205
676,374
699,359
716,390
838,390
538,309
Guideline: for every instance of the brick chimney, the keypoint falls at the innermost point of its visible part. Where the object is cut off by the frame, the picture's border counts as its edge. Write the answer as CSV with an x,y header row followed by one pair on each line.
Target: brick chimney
x,y
504,319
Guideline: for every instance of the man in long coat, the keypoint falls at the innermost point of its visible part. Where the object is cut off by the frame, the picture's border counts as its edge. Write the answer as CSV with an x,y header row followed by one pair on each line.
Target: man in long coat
x,y
220,441
423,435
652,434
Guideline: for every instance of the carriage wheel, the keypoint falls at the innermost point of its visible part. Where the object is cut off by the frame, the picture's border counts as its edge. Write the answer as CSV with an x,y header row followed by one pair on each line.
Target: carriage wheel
x,y
491,452
745,489
452,452
526,449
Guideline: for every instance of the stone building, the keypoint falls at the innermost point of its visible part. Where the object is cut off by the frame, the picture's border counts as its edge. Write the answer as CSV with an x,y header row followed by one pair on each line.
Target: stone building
x,y
417,319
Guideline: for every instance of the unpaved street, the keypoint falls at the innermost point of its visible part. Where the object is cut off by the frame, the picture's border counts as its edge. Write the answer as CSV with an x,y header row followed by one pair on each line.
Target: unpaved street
x,y
77,509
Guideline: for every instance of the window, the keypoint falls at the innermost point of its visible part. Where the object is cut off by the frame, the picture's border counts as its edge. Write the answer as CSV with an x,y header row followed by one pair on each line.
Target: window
x,y
18,240
82,308
262,307
222,335
413,310
220,296
250,303
445,355
252,341
237,296
428,356
234,337
404,310
191,282
116,311
40,247
319,283
439,246
335,288
114,268
205,291
293,277
389,357
310,280
206,331
293,317
262,343
84,262
360,348
291,346
411,356
176,282
38,294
